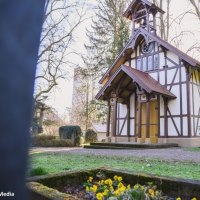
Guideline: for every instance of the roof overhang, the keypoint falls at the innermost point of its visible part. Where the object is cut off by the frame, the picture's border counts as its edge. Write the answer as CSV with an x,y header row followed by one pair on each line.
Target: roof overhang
x,y
132,77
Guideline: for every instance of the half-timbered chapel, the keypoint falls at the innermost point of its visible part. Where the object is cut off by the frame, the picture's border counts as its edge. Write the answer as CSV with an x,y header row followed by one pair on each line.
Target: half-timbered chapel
x,y
152,88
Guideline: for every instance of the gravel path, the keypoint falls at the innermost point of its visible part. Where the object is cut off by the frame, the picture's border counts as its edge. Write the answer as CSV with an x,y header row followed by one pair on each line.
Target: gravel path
x,y
170,154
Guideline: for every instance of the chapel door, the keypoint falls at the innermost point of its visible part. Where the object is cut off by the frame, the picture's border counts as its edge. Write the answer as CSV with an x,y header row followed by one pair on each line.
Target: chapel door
x,y
142,123
154,121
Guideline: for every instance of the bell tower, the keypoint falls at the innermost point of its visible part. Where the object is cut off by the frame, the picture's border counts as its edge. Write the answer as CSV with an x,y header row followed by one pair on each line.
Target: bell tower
x,y
142,13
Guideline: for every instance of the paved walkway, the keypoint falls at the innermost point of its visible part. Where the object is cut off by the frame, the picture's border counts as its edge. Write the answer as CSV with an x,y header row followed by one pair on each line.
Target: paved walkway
x,y
170,154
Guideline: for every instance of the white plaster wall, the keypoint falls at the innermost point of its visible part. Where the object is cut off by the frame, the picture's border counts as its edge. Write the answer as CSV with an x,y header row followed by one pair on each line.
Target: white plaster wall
x,y
173,57
184,99
196,100
183,74
154,75
192,125
185,126
170,75
132,105
177,79
196,121
124,131
162,60
138,50
170,64
198,129
174,105
133,55
122,110
127,63
171,128
161,106
132,127
156,46
133,65
191,100
162,77
162,127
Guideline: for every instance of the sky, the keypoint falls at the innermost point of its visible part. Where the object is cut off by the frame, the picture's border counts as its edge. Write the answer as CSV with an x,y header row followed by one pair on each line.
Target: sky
x,y
61,99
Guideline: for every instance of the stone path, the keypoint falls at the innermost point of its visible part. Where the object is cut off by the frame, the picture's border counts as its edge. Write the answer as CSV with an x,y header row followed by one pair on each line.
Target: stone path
x,y
172,154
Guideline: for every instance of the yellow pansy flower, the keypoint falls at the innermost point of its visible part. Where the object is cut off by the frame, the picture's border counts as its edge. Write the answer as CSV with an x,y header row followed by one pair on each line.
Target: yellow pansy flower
x,y
94,188
122,189
128,187
119,178
157,193
115,178
194,198
87,189
136,187
90,179
178,198
116,193
111,188
105,192
99,196
151,192
120,185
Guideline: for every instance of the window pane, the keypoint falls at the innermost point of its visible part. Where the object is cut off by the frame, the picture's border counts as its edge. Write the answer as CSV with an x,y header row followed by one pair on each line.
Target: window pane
x,y
150,64
156,62
139,64
144,64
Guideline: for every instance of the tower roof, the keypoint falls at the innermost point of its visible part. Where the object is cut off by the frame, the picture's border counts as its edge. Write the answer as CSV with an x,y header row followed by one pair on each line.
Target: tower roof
x,y
136,4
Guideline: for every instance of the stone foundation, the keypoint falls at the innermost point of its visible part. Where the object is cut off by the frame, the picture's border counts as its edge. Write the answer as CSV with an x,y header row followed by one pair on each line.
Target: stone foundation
x,y
182,142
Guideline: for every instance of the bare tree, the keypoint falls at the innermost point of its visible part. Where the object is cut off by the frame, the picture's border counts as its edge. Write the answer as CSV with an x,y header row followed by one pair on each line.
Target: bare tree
x,y
57,35
196,5
62,17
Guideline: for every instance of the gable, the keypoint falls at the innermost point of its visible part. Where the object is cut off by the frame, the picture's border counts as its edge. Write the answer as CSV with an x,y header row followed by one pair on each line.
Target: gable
x,y
132,49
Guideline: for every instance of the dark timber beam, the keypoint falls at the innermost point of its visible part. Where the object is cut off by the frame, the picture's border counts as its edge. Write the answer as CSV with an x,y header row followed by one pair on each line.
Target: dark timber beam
x,y
148,117
165,117
188,76
128,119
139,117
108,120
115,118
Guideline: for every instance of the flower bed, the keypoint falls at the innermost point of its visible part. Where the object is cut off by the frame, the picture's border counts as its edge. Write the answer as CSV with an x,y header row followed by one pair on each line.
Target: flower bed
x,y
108,184
115,189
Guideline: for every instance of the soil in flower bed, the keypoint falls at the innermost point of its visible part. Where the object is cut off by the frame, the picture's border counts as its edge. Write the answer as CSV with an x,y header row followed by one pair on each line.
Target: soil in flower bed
x,y
78,192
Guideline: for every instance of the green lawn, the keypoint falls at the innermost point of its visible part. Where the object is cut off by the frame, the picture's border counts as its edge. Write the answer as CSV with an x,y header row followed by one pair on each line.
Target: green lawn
x,y
59,162
193,149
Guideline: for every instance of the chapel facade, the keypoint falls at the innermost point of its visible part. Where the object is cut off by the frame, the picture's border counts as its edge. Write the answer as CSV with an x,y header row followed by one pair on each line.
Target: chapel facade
x,y
152,88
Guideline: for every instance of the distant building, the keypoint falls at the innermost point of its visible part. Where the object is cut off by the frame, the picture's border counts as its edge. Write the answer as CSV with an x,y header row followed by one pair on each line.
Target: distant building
x,y
101,131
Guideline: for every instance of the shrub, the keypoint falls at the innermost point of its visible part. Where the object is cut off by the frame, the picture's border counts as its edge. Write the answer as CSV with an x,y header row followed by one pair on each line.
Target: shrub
x,y
49,141
38,171
90,136
73,133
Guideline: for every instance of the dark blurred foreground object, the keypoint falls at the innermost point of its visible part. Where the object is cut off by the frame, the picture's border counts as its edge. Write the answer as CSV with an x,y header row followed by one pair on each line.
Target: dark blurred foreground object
x,y
20,24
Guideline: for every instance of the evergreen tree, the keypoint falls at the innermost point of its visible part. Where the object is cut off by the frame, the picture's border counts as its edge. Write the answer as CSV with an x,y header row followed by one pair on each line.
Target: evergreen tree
x,y
107,37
